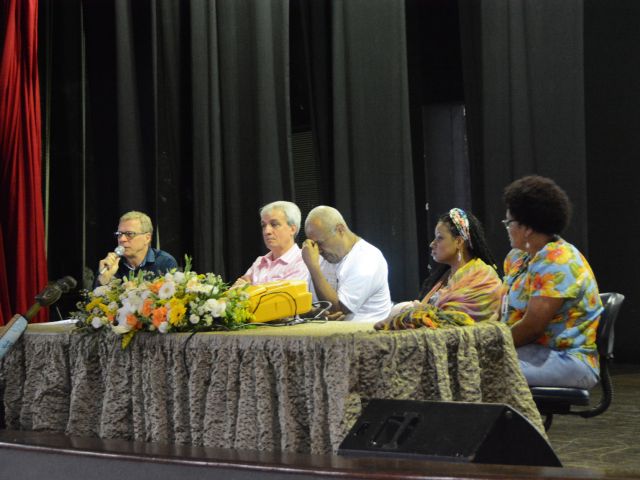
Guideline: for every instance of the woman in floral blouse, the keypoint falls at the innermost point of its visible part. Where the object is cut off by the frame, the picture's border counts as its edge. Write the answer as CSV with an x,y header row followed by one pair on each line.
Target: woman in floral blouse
x,y
551,299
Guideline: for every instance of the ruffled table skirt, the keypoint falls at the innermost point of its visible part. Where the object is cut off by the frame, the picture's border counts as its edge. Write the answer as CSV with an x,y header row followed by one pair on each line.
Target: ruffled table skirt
x,y
293,389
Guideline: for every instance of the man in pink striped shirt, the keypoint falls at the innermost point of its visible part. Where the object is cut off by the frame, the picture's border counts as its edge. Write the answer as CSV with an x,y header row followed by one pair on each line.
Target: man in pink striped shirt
x,y
280,225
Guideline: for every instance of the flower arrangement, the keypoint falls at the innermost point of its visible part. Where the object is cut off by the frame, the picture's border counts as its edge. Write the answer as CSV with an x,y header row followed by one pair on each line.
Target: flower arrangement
x,y
175,302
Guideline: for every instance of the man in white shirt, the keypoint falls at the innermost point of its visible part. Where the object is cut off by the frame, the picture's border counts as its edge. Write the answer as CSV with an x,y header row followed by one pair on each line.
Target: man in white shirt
x,y
280,222
352,273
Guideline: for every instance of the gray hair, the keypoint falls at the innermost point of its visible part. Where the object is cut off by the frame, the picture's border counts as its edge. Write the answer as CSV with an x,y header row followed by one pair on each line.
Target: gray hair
x,y
290,210
328,217
143,218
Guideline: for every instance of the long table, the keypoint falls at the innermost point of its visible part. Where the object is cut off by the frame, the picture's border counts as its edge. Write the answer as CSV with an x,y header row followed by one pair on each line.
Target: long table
x,y
292,389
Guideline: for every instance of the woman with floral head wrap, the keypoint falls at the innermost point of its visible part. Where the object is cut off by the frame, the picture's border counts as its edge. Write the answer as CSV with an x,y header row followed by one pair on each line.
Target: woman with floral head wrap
x,y
551,302
463,288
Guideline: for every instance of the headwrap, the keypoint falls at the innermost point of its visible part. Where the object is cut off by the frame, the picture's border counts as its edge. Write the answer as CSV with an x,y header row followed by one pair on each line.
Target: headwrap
x,y
461,221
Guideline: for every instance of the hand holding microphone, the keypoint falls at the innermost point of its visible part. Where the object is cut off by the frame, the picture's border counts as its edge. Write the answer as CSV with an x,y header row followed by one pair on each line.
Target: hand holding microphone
x,y
109,264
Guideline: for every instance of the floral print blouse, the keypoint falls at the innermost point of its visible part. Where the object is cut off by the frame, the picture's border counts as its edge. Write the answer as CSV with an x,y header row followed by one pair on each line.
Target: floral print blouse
x,y
558,270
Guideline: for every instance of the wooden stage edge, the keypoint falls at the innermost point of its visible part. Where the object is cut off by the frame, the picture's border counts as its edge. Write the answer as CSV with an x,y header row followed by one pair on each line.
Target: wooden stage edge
x,y
38,455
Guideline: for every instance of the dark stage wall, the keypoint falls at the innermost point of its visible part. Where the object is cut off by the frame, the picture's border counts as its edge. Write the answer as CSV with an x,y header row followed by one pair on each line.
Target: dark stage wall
x,y
167,107
612,101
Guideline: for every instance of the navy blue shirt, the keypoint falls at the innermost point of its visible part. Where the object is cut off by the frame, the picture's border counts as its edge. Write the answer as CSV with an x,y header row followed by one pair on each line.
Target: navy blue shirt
x,y
156,261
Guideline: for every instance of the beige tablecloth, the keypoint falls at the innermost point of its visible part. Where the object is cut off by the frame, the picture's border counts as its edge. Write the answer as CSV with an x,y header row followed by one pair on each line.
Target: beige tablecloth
x,y
296,389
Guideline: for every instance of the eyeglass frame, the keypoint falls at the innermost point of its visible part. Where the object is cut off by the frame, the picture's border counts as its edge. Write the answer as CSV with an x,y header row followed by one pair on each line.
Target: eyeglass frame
x,y
129,234
507,222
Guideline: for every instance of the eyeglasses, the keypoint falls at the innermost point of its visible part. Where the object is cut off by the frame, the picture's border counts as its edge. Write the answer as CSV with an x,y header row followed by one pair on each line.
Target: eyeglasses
x,y
129,235
507,221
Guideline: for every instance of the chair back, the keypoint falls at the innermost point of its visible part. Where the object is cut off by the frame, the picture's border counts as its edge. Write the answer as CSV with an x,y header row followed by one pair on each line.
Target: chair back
x,y
612,302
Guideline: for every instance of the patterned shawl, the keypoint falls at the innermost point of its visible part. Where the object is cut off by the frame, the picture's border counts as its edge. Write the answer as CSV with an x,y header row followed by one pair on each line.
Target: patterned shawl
x,y
472,294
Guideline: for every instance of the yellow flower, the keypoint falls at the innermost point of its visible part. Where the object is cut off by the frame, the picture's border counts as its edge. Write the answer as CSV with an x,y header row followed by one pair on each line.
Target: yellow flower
x,y
559,255
177,311
96,302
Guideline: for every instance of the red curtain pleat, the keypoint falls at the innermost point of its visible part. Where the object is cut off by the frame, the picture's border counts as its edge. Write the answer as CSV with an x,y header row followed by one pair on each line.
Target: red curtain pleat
x,y
5,310
21,209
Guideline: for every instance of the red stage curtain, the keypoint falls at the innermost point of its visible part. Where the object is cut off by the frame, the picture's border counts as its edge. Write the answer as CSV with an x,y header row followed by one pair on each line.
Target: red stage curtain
x,y
21,211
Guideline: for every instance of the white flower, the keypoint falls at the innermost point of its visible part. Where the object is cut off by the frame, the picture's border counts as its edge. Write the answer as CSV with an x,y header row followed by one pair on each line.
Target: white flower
x,y
167,290
163,327
178,277
216,307
97,322
168,277
193,286
113,306
122,329
121,316
194,318
133,302
130,285
145,294
101,291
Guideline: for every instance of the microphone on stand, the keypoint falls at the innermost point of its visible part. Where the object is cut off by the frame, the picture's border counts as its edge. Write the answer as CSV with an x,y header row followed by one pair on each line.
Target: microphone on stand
x,y
18,323
66,283
119,251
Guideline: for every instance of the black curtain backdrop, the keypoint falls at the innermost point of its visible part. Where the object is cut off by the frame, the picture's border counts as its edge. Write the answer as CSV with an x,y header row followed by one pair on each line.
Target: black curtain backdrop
x,y
241,127
524,89
182,109
359,103
612,69
373,174
178,109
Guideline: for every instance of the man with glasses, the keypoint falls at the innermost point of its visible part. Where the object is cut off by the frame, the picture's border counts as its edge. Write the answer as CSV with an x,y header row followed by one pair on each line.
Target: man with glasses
x,y
134,236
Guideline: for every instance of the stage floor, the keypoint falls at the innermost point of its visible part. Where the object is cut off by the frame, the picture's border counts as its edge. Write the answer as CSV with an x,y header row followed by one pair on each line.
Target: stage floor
x,y
610,441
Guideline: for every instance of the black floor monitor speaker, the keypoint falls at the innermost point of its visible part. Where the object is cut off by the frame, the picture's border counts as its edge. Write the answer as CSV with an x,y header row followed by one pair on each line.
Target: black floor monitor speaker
x,y
448,431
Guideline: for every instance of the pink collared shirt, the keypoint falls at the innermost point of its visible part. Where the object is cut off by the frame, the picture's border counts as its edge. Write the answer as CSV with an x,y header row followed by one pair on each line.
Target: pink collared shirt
x,y
289,266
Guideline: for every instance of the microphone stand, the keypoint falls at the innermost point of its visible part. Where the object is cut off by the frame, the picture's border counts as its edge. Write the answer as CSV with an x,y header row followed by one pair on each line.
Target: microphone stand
x,y
10,333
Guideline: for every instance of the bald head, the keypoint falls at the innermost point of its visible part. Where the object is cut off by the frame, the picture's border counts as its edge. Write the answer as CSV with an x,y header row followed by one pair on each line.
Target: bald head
x,y
328,230
327,218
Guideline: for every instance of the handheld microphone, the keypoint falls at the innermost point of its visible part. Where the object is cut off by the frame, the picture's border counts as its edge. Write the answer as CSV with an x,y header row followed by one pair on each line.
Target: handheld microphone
x,y
119,251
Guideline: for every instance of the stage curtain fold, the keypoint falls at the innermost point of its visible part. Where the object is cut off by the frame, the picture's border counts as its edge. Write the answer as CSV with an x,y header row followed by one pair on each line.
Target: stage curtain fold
x,y
21,206
241,126
523,63
358,82
185,109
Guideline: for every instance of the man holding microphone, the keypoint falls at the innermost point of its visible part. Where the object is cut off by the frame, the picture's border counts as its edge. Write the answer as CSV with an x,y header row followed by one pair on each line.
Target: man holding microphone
x,y
134,251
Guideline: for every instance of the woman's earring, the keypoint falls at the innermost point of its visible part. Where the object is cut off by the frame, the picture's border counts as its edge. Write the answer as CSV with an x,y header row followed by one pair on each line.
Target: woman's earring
x,y
459,255
527,245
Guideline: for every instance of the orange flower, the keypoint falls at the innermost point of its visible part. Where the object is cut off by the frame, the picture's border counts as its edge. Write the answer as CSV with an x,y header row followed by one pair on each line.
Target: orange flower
x,y
159,316
544,339
564,343
147,307
559,255
541,282
132,320
155,286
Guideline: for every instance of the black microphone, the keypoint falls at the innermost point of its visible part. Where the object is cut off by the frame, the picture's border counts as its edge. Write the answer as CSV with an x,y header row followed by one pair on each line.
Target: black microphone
x,y
51,294
16,326
66,283
119,250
